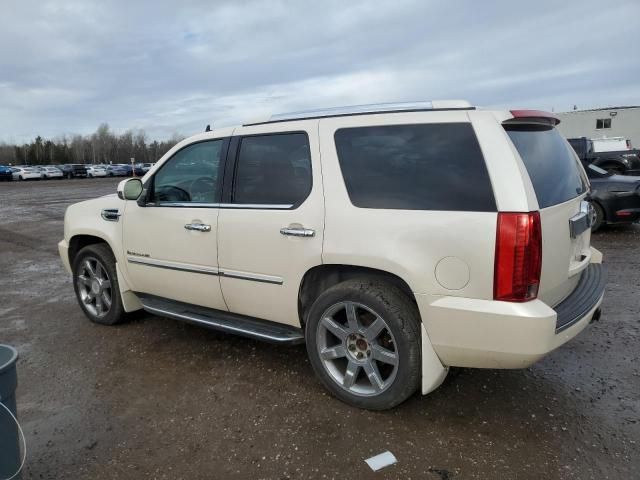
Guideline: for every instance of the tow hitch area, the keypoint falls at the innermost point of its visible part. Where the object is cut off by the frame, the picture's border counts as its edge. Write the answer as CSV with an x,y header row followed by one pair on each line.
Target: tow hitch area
x,y
596,315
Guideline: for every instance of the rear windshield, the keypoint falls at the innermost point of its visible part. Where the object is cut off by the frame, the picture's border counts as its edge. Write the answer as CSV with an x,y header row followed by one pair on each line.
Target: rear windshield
x,y
553,169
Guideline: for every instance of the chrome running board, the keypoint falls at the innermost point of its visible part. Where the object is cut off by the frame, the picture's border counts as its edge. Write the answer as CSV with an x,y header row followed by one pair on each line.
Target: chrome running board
x,y
224,321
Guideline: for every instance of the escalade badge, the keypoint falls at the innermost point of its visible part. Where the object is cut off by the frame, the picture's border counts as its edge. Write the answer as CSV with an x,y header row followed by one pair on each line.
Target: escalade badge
x,y
136,254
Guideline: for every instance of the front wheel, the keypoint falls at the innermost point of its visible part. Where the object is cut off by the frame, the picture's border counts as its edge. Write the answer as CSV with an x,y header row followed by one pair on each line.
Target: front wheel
x,y
363,341
96,284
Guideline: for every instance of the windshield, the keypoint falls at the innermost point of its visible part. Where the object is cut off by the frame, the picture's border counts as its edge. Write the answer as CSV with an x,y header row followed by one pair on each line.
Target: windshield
x,y
551,163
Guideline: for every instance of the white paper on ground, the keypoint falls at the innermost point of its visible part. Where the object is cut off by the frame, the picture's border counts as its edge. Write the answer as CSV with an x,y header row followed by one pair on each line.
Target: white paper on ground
x,y
380,461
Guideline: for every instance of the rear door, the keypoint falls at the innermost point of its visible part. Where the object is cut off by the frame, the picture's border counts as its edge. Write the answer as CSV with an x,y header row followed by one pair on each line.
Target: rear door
x,y
560,185
271,220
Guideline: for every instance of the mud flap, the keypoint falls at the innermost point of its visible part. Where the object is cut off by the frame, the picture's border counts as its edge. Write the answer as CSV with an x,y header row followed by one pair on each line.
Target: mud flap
x,y
433,372
130,301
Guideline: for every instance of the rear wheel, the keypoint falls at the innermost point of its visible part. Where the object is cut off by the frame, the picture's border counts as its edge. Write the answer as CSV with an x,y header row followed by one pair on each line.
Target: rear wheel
x,y
96,284
363,341
599,219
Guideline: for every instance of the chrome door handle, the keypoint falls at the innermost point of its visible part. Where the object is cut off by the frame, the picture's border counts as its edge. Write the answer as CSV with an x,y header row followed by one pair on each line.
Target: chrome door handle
x,y
198,227
297,232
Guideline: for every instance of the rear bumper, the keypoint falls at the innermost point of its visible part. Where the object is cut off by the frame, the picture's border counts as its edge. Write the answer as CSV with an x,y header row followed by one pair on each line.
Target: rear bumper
x,y
587,294
476,333
626,215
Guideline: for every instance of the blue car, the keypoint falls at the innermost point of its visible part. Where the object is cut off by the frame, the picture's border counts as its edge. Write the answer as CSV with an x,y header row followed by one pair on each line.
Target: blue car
x,y
6,173
119,170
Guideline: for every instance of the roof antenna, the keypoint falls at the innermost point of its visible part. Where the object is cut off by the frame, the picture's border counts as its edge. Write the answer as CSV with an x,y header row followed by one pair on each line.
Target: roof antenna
x,y
208,129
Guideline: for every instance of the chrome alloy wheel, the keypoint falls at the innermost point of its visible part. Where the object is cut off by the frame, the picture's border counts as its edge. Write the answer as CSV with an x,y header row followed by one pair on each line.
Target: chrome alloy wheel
x,y
94,287
357,349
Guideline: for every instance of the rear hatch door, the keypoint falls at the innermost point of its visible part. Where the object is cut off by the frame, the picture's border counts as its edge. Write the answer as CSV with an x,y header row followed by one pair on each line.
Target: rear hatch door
x,y
561,186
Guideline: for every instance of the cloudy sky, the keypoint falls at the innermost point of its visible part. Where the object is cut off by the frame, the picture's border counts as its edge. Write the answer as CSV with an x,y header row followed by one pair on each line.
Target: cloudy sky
x,y
174,66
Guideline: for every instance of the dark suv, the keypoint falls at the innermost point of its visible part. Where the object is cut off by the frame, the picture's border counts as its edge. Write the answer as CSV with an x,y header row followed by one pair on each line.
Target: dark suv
x,y
72,170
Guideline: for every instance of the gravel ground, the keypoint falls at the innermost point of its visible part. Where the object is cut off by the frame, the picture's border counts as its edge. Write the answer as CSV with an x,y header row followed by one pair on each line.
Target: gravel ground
x,y
156,398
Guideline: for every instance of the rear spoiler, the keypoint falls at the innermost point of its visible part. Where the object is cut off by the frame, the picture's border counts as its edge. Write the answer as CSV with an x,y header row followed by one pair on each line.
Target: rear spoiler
x,y
537,116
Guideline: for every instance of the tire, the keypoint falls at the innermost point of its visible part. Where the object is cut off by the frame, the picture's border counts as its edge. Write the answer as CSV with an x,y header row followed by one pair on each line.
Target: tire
x,y
95,264
358,368
599,218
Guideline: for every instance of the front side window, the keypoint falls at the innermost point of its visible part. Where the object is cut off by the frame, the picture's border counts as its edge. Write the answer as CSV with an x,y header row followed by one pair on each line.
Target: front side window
x,y
273,170
437,166
192,175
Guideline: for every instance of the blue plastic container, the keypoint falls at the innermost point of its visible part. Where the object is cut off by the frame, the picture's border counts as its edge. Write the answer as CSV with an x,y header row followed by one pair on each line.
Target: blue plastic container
x,y
9,446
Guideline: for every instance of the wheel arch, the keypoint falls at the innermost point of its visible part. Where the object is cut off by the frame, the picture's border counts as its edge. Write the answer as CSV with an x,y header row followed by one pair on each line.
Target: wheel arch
x,y
611,162
321,277
79,241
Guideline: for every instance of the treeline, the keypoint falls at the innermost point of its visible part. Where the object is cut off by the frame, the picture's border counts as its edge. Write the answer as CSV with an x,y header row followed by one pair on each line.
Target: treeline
x,y
103,146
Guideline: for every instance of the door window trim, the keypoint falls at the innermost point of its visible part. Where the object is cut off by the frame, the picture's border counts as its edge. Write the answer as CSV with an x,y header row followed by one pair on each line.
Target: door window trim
x,y
230,174
148,185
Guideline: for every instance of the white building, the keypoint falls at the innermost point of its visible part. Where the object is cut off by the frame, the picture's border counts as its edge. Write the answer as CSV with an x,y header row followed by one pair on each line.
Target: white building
x,y
602,122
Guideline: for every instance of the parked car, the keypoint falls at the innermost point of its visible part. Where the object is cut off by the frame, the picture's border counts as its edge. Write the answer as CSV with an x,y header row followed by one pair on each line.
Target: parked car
x,y
142,168
616,198
74,170
345,229
96,171
6,173
119,170
25,173
50,172
622,162
611,144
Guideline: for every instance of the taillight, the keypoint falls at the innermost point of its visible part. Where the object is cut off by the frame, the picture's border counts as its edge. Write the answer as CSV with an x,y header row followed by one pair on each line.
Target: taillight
x,y
518,257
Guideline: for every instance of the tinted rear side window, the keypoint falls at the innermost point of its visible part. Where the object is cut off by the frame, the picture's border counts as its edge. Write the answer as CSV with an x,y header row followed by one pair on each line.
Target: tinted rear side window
x,y
415,167
553,169
273,170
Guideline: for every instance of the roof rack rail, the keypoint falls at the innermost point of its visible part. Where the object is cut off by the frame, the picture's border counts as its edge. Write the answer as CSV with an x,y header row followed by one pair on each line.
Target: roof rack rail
x,y
366,109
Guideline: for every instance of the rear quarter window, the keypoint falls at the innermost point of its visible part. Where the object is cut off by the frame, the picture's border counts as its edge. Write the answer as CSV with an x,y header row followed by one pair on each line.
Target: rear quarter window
x,y
436,166
552,166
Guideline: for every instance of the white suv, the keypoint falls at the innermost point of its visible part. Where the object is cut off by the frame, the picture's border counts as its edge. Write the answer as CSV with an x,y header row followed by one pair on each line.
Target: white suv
x,y
396,240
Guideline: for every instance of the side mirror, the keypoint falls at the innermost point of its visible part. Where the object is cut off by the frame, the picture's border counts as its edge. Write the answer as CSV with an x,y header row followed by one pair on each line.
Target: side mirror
x,y
129,189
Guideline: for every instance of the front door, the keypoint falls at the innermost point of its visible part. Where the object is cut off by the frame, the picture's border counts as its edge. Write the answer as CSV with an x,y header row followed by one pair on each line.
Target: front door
x,y
272,219
170,237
